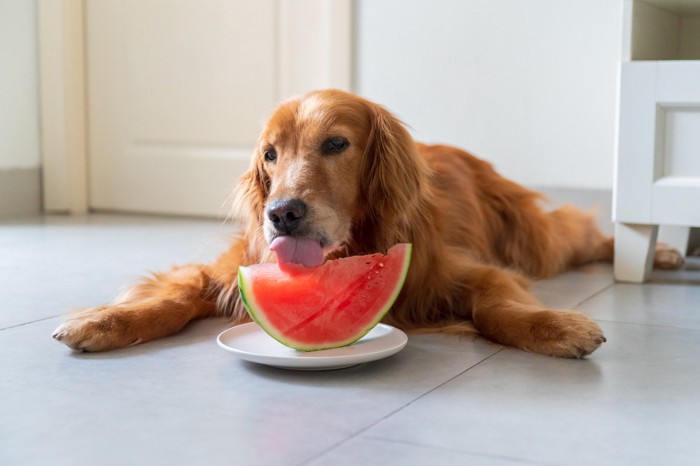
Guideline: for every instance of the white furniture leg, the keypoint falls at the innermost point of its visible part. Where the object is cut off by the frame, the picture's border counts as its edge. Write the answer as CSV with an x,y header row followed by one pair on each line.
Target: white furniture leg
x,y
676,237
634,251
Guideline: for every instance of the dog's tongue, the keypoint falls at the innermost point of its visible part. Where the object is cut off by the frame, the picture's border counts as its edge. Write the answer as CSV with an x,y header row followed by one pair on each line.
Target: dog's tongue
x,y
303,251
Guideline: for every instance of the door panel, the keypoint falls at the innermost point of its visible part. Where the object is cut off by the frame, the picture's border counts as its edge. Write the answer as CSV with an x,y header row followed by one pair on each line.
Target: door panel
x,y
177,90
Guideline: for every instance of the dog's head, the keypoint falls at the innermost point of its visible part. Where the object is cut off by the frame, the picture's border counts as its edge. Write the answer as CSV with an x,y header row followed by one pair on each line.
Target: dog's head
x,y
327,166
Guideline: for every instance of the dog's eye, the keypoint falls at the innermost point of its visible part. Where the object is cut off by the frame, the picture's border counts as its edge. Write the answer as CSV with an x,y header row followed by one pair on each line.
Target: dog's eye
x,y
270,155
334,145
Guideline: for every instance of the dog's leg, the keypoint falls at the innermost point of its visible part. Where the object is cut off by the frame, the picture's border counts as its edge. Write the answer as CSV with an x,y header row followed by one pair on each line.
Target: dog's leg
x,y
576,235
541,244
667,257
572,238
155,308
504,311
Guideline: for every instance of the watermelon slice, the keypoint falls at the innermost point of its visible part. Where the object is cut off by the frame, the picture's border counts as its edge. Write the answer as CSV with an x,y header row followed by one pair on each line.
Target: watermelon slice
x,y
323,307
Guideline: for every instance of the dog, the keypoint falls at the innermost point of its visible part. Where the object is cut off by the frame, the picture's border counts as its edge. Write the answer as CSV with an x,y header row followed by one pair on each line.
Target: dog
x,y
342,171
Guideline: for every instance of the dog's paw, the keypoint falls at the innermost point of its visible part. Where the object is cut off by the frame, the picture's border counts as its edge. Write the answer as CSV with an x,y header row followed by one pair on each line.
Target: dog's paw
x,y
667,258
564,334
96,329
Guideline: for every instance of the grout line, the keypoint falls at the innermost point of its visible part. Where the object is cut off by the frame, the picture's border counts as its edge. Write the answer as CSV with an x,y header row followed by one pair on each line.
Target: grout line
x,y
612,321
372,424
602,290
30,322
513,459
642,324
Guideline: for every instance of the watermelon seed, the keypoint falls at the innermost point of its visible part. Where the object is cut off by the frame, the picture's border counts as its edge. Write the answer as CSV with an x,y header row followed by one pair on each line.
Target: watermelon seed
x,y
381,264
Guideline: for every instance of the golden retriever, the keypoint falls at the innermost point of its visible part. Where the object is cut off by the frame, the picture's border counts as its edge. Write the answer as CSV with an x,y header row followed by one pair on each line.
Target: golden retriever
x,y
337,169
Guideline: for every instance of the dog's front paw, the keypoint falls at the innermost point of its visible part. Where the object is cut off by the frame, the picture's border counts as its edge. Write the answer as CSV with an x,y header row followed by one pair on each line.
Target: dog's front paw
x,y
96,329
564,334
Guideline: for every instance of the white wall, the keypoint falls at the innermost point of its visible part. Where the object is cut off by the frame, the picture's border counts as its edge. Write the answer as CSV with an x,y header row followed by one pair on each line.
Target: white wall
x,y
19,112
527,84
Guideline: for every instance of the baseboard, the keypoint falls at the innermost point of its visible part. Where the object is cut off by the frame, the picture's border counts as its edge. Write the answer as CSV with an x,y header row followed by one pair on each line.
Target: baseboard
x,y
20,192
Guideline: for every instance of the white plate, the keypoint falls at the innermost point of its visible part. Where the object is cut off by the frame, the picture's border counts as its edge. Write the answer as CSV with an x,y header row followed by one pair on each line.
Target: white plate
x,y
250,343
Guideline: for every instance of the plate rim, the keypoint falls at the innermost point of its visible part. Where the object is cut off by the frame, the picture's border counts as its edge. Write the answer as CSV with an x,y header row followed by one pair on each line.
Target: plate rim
x,y
312,362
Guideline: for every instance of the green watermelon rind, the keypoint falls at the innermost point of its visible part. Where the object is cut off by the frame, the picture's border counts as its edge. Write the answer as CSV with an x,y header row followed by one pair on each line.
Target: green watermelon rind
x,y
250,305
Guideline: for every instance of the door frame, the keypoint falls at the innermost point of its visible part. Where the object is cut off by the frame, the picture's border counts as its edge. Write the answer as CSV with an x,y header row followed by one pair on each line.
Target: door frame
x,y
62,105
63,81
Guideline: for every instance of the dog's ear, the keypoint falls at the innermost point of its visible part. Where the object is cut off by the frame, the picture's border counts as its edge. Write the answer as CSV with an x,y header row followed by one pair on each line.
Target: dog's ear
x,y
250,194
394,175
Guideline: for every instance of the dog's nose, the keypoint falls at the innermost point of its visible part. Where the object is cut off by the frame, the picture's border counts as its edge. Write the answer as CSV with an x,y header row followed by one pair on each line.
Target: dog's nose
x,y
286,214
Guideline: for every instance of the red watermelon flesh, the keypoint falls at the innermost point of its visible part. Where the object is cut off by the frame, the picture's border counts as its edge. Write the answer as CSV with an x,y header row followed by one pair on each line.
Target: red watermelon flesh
x,y
329,306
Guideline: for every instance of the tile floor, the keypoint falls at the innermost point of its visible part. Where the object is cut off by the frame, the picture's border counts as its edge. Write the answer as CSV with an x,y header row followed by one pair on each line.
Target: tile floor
x,y
442,400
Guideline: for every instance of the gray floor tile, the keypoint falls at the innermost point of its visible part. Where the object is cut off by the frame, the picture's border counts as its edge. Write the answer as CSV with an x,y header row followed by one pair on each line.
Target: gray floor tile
x,y
103,241
182,400
369,451
59,263
570,289
44,425
251,407
634,401
650,304
31,293
688,275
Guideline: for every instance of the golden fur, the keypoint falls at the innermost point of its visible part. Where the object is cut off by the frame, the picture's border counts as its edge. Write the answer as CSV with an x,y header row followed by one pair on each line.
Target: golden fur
x,y
477,236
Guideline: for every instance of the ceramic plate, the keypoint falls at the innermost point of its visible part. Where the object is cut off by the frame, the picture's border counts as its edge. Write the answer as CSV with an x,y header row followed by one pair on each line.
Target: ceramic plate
x,y
250,343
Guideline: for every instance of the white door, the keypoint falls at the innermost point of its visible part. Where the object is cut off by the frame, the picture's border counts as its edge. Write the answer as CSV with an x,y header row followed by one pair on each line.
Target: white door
x,y
178,89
